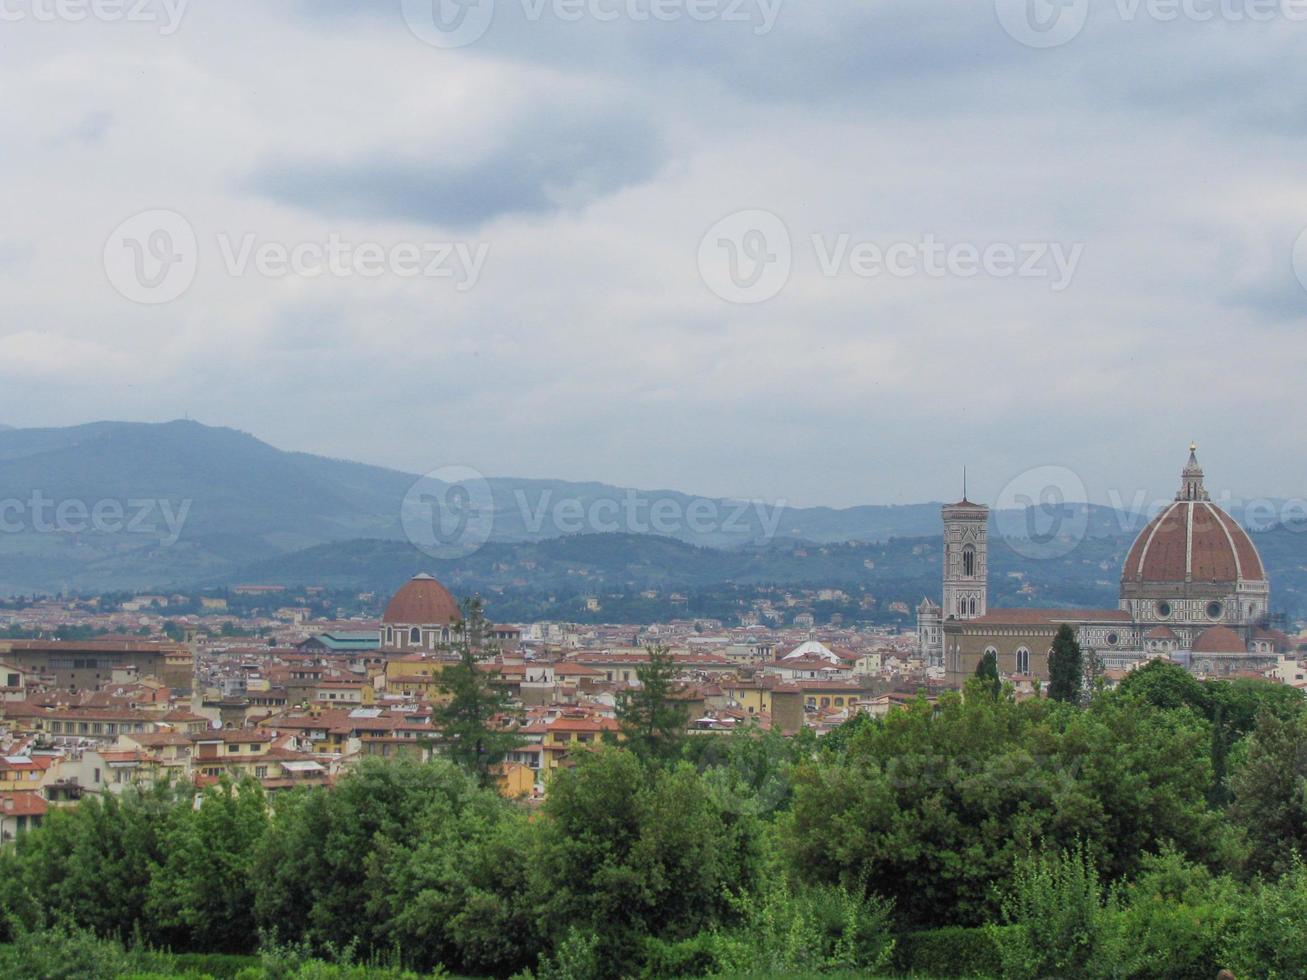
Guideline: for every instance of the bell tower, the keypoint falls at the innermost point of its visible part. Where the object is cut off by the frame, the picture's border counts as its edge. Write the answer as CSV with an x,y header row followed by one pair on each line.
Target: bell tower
x,y
966,558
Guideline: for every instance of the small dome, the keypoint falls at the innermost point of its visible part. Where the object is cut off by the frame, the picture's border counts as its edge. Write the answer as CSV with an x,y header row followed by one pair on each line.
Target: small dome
x,y
422,602
1160,633
1219,639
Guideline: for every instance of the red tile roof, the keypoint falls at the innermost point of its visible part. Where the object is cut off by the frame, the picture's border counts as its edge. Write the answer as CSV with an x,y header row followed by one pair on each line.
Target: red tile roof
x,y
1193,540
1047,617
422,602
23,804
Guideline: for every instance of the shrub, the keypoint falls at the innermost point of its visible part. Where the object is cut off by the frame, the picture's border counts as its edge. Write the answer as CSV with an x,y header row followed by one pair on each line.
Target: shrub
x,y
64,952
955,951
785,931
1173,920
1062,928
1267,939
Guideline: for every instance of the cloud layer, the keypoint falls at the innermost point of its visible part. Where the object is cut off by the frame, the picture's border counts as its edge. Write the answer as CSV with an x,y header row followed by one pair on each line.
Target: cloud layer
x,y
589,154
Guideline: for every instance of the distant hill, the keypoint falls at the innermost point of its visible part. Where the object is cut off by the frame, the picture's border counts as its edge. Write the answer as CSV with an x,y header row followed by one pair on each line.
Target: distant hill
x,y
225,507
243,500
900,570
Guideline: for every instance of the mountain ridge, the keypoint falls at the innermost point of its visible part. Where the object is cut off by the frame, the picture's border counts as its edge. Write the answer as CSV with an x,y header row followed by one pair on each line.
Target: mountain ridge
x,y
226,506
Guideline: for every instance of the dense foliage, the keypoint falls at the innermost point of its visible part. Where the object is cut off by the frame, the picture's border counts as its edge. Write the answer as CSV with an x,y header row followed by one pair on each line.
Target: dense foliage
x,y
1151,833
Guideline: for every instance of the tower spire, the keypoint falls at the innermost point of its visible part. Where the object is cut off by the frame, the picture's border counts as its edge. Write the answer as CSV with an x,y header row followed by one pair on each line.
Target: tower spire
x,y
964,482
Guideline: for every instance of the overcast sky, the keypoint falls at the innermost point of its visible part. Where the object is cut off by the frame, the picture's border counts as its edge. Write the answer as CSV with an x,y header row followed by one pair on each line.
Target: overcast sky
x,y
540,189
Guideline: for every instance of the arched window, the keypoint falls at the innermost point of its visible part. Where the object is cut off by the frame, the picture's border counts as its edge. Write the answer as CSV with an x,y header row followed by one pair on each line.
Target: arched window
x,y
1023,661
415,635
969,561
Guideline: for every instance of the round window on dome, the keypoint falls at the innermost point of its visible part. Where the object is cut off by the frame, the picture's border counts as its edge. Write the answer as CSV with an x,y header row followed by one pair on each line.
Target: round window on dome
x,y
1164,610
1113,639
1214,610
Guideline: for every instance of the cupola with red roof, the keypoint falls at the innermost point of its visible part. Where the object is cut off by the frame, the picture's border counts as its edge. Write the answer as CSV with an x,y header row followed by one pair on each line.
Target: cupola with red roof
x,y
421,615
1193,564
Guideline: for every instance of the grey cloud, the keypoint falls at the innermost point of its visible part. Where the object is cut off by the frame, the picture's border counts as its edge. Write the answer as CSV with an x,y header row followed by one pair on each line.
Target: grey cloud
x,y
547,165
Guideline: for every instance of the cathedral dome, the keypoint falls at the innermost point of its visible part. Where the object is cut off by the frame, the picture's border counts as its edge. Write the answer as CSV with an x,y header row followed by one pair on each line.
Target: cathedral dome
x,y
422,602
1219,639
1193,540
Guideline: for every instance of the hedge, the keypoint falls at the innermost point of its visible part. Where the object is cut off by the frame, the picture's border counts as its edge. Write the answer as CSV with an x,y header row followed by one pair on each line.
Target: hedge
x,y
955,951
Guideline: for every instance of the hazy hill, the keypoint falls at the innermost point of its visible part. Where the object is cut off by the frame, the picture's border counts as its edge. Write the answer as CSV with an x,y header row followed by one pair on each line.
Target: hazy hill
x,y
899,570
222,506
243,500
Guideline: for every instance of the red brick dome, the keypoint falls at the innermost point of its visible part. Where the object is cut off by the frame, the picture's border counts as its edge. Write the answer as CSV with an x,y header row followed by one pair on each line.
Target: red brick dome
x,y
1193,540
1219,639
422,602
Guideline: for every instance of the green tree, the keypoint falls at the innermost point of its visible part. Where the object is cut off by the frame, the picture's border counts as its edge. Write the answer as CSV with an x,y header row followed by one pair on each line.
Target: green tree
x,y
452,887
203,896
312,868
653,723
473,724
987,671
1066,671
1270,792
625,851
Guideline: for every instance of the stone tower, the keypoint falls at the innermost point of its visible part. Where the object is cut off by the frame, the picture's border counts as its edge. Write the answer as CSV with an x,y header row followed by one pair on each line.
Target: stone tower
x,y
966,559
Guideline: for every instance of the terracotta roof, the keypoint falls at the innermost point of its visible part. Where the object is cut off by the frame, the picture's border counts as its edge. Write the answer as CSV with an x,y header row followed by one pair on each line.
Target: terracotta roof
x,y
1047,617
584,725
1160,633
1219,639
422,602
1193,540
23,804
95,646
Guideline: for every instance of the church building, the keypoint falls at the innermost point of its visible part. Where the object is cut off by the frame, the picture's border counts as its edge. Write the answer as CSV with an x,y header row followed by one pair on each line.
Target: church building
x,y
1193,588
